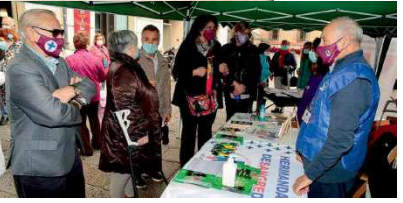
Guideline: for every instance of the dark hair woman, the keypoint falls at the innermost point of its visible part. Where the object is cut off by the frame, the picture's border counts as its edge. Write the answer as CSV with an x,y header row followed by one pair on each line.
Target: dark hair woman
x,y
198,91
129,89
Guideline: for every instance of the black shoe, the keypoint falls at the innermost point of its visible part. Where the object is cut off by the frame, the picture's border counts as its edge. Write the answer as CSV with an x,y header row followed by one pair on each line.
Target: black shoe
x,y
155,177
140,183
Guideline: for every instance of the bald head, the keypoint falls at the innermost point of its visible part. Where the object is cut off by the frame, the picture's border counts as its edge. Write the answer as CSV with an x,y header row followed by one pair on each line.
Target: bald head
x,y
344,27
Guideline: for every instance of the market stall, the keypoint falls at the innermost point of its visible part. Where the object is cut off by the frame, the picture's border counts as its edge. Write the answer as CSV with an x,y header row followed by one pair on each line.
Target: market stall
x,y
377,18
267,167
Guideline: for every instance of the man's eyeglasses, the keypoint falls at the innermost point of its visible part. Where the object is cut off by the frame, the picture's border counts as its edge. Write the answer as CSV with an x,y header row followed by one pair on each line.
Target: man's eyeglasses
x,y
55,32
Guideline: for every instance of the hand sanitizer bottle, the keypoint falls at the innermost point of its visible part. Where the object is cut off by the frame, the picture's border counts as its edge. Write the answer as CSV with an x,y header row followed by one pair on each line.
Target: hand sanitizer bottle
x,y
229,172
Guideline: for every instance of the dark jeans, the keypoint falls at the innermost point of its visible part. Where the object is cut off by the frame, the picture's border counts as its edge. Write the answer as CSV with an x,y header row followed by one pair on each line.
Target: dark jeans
x,y
233,106
191,124
91,110
70,185
331,190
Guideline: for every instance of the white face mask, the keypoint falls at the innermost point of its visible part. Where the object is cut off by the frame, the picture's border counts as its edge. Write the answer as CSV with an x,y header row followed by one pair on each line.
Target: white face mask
x,y
6,27
100,42
267,53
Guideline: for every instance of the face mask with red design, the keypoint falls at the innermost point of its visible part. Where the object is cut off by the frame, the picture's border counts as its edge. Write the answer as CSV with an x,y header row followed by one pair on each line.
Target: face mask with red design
x,y
209,34
329,52
51,46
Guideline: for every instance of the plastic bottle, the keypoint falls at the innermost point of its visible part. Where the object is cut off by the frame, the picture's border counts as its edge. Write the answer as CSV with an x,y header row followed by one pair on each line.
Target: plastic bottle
x,y
229,172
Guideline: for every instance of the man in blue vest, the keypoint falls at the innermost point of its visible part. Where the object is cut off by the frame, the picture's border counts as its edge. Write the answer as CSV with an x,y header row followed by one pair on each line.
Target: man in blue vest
x,y
332,141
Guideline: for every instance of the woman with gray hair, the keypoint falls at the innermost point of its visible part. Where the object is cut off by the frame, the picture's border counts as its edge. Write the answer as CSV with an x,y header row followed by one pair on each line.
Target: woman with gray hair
x,y
129,89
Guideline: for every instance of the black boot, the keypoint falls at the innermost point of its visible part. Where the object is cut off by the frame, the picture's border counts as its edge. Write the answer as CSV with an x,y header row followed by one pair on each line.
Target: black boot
x,y
140,183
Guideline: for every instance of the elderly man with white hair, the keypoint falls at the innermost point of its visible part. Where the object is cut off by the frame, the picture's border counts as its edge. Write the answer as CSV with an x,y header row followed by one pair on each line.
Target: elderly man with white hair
x,y
44,98
332,141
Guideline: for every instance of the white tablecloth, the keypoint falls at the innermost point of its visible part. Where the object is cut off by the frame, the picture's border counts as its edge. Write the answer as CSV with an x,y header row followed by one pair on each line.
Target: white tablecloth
x,y
275,159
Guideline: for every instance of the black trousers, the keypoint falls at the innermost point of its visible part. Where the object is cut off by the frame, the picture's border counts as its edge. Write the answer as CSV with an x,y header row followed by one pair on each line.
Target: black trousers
x,y
191,125
70,185
233,106
331,190
91,110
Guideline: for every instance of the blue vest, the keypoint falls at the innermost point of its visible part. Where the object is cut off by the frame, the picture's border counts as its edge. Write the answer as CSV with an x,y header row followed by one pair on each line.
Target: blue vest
x,y
313,134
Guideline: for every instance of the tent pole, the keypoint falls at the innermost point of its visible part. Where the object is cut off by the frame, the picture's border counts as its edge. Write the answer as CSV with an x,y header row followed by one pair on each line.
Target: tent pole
x,y
186,23
379,43
384,51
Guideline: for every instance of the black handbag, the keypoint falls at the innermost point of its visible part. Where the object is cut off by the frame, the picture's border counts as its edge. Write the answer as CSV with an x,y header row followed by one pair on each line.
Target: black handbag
x,y
165,134
293,81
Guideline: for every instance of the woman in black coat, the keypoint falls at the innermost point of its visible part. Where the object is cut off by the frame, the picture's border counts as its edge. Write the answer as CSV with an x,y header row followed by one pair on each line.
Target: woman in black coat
x,y
198,89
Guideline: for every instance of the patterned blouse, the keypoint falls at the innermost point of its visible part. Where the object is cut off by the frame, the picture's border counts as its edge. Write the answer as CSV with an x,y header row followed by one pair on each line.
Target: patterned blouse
x,y
10,53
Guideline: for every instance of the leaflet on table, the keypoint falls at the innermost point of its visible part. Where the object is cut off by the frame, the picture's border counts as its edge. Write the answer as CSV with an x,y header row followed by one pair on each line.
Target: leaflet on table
x,y
268,131
291,92
251,118
240,124
227,130
246,178
263,133
228,138
205,166
221,151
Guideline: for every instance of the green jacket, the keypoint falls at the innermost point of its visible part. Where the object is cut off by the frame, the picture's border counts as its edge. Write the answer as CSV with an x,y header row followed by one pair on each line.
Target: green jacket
x,y
305,73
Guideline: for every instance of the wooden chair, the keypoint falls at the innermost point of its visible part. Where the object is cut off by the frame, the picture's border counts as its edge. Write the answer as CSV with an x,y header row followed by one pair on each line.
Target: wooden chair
x,y
362,189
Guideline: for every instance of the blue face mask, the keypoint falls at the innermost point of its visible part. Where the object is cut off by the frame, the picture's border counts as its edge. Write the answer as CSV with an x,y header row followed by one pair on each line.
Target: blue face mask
x,y
312,56
150,48
284,47
3,46
306,51
138,54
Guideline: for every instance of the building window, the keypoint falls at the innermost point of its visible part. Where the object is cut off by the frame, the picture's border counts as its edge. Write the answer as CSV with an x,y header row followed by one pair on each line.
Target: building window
x,y
120,22
274,35
97,23
104,24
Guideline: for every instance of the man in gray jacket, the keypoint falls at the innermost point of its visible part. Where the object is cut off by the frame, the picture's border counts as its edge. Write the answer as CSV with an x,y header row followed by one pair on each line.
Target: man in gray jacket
x,y
156,69
44,97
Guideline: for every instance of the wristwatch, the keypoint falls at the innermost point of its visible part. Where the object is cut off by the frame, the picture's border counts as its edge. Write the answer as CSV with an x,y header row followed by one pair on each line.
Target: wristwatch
x,y
77,90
